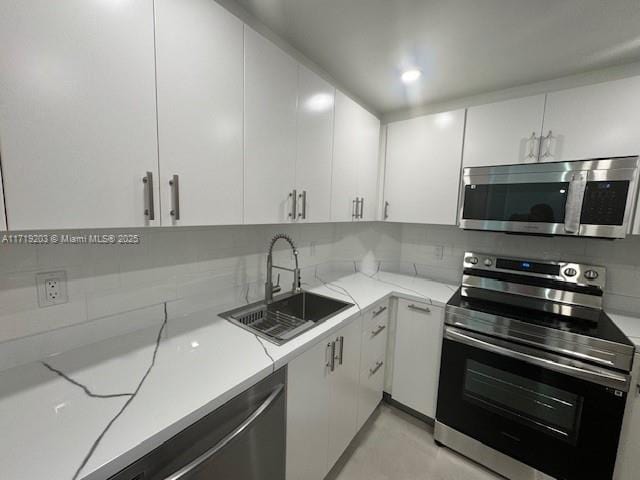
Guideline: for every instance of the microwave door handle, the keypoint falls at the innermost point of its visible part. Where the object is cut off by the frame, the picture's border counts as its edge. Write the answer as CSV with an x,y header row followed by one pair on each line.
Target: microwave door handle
x,y
575,199
545,360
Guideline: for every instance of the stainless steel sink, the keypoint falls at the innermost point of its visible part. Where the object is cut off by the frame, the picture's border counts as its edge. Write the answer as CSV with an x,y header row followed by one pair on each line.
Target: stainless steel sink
x,y
287,316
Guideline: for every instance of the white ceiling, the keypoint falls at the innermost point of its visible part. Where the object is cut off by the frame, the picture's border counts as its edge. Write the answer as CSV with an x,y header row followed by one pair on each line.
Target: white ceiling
x,y
464,47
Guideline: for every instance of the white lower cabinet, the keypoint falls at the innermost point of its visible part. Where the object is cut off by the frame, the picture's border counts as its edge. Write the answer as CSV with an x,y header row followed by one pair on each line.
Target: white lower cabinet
x,y
416,362
375,325
628,463
322,403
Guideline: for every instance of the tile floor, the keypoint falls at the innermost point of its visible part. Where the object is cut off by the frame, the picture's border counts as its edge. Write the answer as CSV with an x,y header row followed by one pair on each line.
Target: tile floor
x,y
395,446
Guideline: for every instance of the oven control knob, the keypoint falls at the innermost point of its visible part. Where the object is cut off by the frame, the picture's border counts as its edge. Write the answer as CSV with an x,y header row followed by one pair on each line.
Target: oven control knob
x,y
488,262
471,260
570,272
591,275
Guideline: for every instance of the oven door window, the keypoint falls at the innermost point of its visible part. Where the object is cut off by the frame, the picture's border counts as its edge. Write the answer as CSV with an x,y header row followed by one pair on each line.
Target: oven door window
x,y
516,202
551,410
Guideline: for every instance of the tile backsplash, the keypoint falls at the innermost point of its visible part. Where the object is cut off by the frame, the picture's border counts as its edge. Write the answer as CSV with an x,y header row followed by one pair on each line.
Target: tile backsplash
x,y
114,290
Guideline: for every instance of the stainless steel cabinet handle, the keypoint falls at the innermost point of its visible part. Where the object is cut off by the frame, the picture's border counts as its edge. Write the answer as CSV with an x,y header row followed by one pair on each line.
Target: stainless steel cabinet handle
x,y
547,140
532,145
379,311
374,370
303,197
386,210
186,470
419,309
361,208
175,197
149,210
549,361
332,356
341,352
294,204
377,331
354,209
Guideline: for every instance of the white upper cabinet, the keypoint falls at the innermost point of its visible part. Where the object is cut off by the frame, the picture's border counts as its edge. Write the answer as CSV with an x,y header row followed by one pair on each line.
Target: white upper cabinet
x,y
504,133
271,85
78,113
368,162
200,88
596,121
423,168
355,162
314,147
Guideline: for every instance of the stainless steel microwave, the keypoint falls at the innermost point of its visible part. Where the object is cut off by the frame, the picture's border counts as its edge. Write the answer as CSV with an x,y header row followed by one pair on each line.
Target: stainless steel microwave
x,y
590,198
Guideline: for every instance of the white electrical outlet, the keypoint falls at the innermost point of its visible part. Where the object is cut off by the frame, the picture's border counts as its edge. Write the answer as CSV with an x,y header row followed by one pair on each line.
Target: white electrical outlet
x,y
52,288
438,252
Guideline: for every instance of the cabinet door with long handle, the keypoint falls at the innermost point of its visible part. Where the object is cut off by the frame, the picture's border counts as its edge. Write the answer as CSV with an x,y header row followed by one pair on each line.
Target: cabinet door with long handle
x,y
200,88
314,150
344,393
416,361
271,85
78,117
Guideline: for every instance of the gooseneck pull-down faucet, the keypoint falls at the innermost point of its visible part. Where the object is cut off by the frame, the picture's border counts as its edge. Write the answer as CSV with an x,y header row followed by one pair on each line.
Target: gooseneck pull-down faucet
x,y
269,289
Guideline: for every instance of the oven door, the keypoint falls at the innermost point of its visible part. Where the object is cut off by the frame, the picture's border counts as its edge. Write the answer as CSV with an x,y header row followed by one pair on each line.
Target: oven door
x,y
559,416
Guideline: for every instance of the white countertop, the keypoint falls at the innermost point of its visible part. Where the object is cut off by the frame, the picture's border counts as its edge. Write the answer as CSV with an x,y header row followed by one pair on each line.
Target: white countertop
x,y
629,325
53,428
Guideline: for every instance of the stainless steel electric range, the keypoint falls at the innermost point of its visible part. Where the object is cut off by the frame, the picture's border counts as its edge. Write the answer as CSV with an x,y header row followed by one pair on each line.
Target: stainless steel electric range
x,y
534,375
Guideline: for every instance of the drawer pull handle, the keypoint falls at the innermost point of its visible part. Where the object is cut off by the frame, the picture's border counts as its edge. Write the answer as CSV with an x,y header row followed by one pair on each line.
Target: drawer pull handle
x,y
419,309
374,370
379,311
377,331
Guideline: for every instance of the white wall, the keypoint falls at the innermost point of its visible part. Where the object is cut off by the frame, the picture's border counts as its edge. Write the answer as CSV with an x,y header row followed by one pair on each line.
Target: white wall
x,y
422,243
116,289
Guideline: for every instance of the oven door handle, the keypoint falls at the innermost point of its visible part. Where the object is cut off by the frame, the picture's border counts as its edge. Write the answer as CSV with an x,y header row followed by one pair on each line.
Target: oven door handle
x,y
550,361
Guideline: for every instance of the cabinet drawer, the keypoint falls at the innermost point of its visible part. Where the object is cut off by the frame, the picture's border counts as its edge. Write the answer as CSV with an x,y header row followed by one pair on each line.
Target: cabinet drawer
x,y
376,315
374,342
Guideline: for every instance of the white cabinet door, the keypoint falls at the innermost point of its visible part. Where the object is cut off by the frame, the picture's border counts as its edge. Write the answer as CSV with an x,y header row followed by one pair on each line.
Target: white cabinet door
x,y
347,148
308,414
375,324
200,82
314,147
343,402
368,161
271,84
77,113
504,133
596,121
423,168
628,461
417,356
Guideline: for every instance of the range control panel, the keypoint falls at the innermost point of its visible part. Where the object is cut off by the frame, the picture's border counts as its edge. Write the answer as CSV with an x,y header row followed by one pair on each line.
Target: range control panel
x,y
568,272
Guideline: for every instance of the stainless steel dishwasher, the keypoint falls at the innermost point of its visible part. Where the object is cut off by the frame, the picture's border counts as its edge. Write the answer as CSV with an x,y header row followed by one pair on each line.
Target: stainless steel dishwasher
x,y
242,440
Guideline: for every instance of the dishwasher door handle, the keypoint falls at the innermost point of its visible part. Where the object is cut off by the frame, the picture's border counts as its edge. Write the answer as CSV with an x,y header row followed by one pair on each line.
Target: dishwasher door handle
x,y
229,437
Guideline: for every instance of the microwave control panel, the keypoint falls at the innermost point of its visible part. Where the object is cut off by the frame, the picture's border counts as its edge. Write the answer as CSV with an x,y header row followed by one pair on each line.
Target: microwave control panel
x,y
604,203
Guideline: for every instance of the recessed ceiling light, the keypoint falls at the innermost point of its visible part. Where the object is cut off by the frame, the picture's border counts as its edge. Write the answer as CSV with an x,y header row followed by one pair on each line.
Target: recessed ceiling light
x,y
410,76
